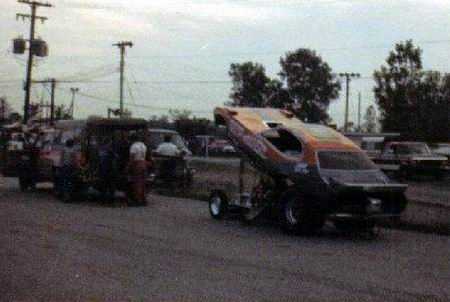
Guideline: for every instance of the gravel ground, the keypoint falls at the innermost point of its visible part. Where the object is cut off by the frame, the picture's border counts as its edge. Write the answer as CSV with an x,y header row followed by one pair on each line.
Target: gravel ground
x,y
173,251
430,191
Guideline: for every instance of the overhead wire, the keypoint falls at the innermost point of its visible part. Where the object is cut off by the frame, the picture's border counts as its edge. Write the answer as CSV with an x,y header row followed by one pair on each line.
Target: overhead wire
x,y
133,105
281,52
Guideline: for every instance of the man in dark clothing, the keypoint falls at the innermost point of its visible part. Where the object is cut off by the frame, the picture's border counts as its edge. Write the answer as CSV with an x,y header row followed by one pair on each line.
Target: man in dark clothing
x,y
30,159
108,170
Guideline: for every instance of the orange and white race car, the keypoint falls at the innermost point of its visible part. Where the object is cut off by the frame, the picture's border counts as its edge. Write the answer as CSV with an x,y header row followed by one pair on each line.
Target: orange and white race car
x,y
308,173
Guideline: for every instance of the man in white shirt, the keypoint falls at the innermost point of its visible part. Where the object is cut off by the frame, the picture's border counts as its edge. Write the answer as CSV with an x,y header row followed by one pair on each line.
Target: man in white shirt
x,y
138,151
167,148
137,171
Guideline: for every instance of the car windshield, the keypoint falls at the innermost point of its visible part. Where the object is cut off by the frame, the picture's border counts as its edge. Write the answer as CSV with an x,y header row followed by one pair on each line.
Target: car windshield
x,y
344,160
408,149
442,149
157,138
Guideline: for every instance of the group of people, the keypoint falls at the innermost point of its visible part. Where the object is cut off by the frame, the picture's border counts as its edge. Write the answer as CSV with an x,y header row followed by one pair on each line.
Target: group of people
x,y
125,155
113,158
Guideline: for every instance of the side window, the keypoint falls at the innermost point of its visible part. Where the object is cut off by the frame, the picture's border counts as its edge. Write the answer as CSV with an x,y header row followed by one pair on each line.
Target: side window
x,y
284,141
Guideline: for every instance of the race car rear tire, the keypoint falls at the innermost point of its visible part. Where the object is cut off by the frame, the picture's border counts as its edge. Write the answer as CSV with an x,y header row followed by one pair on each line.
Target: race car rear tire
x,y
218,205
297,218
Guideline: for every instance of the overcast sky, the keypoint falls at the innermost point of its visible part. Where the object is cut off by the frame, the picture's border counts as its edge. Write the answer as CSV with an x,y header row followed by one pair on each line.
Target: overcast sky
x,y
183,49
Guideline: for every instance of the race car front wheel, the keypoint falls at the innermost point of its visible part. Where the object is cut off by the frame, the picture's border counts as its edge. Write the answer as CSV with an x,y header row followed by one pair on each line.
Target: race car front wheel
x,y
218,205
297,218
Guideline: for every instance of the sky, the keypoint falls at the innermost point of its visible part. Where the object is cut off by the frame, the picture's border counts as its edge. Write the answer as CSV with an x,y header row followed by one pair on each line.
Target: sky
x,y
183,49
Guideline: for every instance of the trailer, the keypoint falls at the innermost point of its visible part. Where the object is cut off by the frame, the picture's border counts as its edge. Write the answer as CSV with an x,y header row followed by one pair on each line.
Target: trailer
x,y
307,174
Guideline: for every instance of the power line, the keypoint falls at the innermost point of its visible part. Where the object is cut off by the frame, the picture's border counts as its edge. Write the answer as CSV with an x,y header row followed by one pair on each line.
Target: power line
x,y
282,52
133,105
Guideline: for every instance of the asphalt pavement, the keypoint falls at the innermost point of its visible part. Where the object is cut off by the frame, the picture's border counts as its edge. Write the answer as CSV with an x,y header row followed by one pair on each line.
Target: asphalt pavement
x,y
172,250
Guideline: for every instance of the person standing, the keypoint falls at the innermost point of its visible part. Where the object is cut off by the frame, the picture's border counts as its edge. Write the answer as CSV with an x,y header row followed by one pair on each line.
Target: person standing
x,y
107,170
137,170
169,165
167,148
67,175
29,164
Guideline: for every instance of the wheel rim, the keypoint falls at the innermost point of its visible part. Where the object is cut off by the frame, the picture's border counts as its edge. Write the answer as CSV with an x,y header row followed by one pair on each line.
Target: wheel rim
x,y
215,205
292,213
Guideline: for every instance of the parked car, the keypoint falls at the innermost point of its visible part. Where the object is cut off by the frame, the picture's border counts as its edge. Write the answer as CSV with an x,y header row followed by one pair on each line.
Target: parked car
x,y
442,149
307,173
372,146
407,159
220,146
209,145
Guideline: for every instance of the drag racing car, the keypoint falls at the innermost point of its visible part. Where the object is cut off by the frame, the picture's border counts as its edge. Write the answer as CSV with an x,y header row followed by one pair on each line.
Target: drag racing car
x,y
307,173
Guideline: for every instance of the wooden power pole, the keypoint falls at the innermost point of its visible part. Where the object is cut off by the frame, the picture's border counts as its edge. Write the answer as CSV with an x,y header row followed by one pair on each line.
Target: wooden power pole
x,y
359,111
122,46
348,77
72,105
33,17
52,97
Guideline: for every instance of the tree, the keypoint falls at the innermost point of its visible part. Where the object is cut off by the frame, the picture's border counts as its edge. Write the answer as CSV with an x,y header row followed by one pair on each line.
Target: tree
x,y
310,83
62,113
127,113
412,101
179,114
5,109
249,84
275,95
397,86
432,109
370,120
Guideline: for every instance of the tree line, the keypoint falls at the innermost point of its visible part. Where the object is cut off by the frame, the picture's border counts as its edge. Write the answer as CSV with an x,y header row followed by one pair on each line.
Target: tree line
x,y
410,100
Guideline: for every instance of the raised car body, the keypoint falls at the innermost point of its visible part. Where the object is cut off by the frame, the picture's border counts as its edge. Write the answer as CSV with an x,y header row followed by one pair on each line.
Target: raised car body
x,y
328,170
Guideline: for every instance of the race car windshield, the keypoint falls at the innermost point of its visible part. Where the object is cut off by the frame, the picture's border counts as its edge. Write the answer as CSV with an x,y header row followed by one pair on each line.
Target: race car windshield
x,y
338,160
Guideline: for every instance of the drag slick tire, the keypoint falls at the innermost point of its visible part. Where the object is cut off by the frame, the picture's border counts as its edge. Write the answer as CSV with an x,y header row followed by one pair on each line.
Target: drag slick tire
x,y
218,205
297,218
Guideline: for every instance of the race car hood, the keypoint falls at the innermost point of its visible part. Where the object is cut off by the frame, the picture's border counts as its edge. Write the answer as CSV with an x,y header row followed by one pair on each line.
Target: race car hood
x,y
365,181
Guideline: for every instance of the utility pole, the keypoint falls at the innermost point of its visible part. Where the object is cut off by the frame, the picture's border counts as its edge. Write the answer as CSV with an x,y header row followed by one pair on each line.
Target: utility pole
x,y
122,46
52,102
33,17
2,109
52,97
72,105
348,77
359,111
